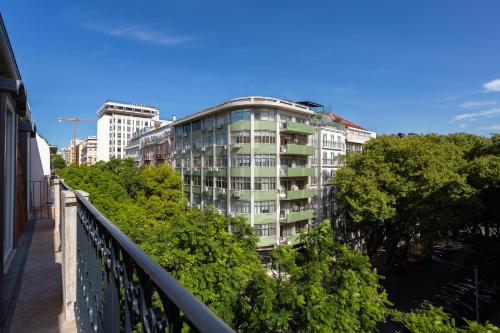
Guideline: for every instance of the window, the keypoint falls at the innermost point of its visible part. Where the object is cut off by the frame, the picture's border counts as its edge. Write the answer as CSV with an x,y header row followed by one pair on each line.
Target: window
x,y
265,136
196,162
221,182
221,139
265,183
263,230
264,207
264,160
209,161
240,137
208,181
220,204
285,118
187,179
197,125
237,115
221,119
197,142
300,120
241,207
221,161
240,160
240,183
196,180
207,140
264,114
208,123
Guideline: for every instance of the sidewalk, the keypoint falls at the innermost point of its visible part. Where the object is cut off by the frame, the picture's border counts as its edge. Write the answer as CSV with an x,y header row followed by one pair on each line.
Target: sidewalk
x,y
38,307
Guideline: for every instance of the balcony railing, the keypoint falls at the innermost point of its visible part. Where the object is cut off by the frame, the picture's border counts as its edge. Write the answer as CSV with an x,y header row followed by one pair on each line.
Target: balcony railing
x,y
333,145
118,286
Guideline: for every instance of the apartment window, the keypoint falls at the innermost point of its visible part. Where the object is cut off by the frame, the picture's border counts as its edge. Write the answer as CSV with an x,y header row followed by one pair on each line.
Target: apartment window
x,y
264,160
196,161
208,123
209,161
178,145
240,183
221,182
197,142
207,140
240,137
178,132
196,180
187,162
241,207
264,207
264,114
285,118
187,145
187,179
300,120
221,161
221,119
314,180
240,160
265,136
265,183
208,181
237,115
186,128
221,139
287,230
119,121
197,125
263,230
196,199
220,204
128,121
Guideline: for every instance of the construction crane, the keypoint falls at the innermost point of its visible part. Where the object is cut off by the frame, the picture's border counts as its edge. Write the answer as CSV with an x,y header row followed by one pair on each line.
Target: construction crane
x,y
74,120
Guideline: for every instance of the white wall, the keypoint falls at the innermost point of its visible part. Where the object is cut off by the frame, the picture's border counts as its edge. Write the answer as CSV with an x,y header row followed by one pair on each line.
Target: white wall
x,y
39,169
103,138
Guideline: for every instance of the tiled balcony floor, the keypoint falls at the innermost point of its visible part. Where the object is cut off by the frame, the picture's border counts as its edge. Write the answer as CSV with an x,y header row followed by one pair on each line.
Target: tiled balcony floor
x,y
38,307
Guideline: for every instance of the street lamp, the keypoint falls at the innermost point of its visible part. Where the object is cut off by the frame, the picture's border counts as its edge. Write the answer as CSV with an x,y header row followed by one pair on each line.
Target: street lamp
x,y
476,279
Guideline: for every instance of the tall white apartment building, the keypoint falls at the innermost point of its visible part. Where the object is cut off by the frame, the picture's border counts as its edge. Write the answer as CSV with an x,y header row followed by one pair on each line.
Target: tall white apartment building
x,y
117,122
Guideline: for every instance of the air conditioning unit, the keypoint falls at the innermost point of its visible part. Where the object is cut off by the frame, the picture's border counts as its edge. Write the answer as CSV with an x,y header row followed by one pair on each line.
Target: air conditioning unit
x,y
282,194
210,169
282,172
183,151
237,194
296,140
202,148
215,168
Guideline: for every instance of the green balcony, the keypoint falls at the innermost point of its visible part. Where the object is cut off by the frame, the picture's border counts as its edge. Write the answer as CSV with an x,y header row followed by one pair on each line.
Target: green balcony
x,y
293,149
266,241
264,218
300,194
244,195
293,127
300,216
241,171
296,172
265,195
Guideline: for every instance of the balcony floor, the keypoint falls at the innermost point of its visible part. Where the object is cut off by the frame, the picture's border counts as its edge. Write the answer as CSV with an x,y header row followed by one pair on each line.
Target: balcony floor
x,y
39,304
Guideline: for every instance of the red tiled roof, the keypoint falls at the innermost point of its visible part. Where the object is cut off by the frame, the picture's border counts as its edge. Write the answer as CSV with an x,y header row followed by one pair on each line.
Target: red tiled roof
x,y
344,121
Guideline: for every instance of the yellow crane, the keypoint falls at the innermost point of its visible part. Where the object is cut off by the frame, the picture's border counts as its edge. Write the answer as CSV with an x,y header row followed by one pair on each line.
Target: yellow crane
x,y
74,120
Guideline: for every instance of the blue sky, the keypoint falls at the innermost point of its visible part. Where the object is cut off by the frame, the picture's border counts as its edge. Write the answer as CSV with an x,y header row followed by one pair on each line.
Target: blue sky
x,y
390,66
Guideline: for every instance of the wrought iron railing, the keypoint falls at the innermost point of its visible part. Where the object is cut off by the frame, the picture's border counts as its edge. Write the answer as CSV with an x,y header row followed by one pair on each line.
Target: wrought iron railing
x,y
120,288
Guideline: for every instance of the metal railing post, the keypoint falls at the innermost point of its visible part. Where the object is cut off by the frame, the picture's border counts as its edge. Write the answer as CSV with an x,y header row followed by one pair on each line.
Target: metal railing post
x,y
68,221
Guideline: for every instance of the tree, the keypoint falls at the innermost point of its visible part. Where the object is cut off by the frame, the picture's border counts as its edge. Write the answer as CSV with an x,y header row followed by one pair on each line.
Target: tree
x,y
404,190
57,162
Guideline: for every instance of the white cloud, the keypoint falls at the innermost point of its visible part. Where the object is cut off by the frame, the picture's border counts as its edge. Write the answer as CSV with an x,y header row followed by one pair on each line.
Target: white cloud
x,y
462,126
492,86
495,127
475,104
477,115
155,37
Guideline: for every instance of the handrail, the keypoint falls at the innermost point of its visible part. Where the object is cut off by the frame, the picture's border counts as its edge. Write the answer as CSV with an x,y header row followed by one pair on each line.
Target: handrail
x,y
116,281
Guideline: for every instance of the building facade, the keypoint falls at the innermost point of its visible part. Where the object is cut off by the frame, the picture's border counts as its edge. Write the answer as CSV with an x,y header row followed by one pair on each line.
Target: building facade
x,y
117,122
251,156
87,150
